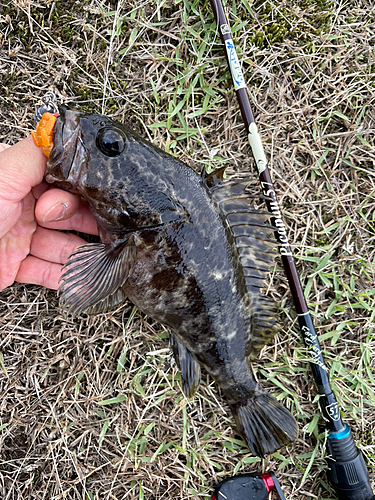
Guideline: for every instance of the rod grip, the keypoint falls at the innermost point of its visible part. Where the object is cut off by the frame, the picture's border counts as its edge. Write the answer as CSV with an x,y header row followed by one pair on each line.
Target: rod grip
x,y
348,471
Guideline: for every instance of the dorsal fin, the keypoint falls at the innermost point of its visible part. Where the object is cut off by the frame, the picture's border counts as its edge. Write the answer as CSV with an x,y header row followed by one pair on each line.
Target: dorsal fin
x,y
213,178
263,233
253,236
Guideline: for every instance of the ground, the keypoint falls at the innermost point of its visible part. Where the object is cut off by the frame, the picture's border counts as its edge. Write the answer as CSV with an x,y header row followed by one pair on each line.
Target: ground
x,y
91,408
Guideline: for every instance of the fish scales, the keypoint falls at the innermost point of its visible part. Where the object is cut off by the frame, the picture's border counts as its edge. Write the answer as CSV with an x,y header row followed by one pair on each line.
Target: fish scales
x,y
190,251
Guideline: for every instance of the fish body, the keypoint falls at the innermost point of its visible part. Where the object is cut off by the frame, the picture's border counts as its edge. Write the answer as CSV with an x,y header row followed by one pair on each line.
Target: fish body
x,y
187,249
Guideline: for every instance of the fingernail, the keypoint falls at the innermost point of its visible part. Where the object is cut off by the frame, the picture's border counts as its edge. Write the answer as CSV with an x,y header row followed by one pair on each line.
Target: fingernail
x,y
56,212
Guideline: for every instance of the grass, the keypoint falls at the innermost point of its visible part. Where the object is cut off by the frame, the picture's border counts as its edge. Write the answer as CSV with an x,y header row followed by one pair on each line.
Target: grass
x,y
91,408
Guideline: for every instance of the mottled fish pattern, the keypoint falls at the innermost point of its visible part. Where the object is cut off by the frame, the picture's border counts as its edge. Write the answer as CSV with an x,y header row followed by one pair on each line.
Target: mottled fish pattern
x,y
189,250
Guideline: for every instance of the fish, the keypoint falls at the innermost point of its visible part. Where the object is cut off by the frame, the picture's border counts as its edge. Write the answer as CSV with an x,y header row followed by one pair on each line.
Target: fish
x,y
190,250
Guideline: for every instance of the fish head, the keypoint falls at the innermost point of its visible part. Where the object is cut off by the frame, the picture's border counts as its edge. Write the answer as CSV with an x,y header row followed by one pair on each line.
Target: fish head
x,y
65,138
120,175
86,148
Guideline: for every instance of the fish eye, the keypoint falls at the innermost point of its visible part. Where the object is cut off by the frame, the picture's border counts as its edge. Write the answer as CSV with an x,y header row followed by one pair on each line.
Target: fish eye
x,y
111,142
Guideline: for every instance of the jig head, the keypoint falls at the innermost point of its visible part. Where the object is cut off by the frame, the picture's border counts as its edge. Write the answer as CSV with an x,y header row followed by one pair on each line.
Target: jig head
x,y
44,122
49,106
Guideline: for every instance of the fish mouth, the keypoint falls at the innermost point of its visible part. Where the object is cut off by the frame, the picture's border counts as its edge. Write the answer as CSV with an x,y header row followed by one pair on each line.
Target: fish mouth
x,y
68,153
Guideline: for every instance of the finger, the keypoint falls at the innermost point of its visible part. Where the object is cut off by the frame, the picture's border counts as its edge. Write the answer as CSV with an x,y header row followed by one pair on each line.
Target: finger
x,y
4,146
16,232
56,204
54,246
22,167
82,221
39,272
40,189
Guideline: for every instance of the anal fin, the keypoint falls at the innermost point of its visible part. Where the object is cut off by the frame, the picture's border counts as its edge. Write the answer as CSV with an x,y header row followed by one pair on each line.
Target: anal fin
x,y
190,368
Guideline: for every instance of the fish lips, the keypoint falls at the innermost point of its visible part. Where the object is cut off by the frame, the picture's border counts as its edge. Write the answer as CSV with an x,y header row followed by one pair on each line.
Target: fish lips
x,y
68,150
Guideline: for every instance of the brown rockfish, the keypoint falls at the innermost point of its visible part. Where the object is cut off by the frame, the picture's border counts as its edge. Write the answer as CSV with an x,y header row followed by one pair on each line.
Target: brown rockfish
x,y
189,250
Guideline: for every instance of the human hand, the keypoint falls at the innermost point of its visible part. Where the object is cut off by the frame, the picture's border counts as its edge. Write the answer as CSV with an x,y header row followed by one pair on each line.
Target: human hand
x,y
31,250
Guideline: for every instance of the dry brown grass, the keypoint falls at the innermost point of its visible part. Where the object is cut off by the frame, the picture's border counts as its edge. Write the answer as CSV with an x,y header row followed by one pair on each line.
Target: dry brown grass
x,y
57,439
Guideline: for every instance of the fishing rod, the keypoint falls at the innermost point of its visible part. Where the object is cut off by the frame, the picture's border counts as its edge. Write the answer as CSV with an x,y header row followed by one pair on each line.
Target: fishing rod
x,y
347,469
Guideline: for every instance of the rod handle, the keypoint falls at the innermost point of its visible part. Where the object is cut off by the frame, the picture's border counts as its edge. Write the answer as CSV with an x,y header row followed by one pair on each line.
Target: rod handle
x,y
348,471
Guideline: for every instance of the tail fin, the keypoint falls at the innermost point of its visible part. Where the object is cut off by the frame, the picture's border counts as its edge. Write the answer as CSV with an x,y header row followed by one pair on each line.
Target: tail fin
x,y
264,423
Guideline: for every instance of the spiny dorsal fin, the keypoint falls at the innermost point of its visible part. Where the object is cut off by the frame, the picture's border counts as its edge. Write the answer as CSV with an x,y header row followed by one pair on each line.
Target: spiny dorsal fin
x,y
93,273
213,178
254,239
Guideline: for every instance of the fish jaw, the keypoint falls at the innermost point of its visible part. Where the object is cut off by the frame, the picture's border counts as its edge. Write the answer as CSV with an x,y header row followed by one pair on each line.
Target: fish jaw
x,y
69,155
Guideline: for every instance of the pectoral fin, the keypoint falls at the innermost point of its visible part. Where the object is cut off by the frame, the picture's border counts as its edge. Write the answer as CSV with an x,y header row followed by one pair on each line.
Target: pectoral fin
x,y
189,367
109,303
93,273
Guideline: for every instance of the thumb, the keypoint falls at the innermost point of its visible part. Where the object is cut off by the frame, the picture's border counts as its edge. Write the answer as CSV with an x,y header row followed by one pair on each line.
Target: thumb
x,y
4,146
22,167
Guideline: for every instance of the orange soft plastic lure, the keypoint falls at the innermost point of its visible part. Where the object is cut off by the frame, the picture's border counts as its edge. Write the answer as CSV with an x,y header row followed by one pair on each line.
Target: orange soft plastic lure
x,y
43,136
